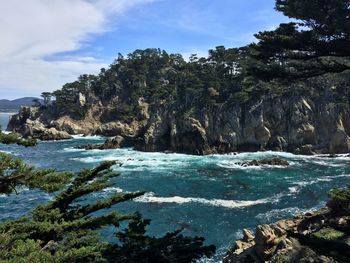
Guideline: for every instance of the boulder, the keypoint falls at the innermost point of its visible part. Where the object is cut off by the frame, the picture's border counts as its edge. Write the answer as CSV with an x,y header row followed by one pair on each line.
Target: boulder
x,y
111,143
306,150
273,162
52,134
340,142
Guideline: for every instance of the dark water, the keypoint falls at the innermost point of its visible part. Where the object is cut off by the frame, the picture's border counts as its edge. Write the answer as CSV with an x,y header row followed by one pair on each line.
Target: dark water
x,y
209,196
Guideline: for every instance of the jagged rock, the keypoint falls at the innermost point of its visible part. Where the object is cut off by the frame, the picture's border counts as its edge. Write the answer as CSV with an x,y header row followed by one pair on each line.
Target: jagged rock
x,y
340,142
119,128
111,143
51,134
306,150
247,235
285,123
37,130
274,161
303,239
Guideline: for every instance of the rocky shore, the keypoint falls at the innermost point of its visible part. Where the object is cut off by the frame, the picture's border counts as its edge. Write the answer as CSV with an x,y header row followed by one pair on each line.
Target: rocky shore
x,y
294,124
322,236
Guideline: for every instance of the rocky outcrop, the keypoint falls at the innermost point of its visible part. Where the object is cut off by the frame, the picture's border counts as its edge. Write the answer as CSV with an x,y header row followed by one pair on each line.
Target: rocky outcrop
x,y
322,236
263,162
313,237
24,124
111,143
293,124
287,123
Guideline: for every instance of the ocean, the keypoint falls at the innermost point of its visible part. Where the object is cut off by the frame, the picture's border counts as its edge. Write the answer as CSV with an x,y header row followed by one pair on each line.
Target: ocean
x,y
210,196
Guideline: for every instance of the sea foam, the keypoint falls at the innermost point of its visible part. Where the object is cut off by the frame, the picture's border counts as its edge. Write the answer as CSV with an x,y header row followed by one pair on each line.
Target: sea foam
x,y
151,198
87,137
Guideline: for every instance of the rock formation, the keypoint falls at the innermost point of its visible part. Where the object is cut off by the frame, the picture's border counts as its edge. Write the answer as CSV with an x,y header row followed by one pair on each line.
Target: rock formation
x,y
294,124
273,162
322,236
112,143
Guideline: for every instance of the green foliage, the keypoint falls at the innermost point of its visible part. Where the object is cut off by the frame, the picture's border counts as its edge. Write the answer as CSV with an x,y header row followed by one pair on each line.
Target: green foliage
x,y
240,97
228,75
328,234
339,201
316,44
67,229
293,59
173,247
15,138
14,173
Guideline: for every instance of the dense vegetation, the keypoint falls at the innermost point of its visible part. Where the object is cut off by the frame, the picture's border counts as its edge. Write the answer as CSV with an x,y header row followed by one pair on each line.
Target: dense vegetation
x,y
297,57
14,138
227,76
318,42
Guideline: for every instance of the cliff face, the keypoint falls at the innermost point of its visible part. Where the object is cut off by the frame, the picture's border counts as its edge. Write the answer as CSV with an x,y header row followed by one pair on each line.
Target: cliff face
x,y
295,124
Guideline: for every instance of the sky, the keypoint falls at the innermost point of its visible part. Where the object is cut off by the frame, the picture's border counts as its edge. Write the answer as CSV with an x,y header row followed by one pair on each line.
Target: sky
x,y
47,43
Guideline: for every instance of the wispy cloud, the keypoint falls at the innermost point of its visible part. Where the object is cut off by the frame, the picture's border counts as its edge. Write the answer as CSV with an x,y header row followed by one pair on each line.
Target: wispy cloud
x,y
33,30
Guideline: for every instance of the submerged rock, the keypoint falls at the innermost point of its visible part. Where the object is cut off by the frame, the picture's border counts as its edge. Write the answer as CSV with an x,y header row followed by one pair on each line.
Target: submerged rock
x,y
111,143
274,162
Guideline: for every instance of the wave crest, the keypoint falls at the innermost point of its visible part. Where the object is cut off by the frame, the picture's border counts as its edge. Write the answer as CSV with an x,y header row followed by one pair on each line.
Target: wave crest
x,y
151,198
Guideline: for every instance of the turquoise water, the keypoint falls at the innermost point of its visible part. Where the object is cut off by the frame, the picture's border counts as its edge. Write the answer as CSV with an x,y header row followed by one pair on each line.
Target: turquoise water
x,y
210,196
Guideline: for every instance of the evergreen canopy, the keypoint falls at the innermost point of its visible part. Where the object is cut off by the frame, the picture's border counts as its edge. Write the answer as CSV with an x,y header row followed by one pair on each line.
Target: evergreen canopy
x,y
315,43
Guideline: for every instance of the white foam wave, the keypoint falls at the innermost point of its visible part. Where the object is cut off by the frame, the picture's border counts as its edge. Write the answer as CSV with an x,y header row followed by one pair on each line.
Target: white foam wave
x,y
71,149
238,166
151,198
134,161
113,190
320,179
293,189
232,165
87,137
280,213
325,162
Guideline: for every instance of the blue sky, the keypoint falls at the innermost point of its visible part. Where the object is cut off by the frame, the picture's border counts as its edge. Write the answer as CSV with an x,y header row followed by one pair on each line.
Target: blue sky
x,y
48,43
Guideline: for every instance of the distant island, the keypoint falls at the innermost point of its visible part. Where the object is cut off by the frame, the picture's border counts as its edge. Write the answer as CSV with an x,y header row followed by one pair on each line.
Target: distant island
x,y
15,105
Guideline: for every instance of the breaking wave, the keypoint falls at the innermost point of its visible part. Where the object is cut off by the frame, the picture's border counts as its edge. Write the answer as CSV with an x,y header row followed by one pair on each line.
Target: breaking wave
x,y
151,198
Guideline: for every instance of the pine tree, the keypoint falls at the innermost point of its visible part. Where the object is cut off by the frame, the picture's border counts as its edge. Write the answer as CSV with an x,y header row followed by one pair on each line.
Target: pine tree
x,y
67,229
318,42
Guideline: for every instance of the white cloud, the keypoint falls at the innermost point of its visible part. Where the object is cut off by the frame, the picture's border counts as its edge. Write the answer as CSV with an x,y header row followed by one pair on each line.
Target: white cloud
x,y
33,30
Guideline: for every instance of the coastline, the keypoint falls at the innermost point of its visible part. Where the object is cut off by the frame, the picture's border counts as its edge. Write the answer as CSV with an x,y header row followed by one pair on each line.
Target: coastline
x,y
214,195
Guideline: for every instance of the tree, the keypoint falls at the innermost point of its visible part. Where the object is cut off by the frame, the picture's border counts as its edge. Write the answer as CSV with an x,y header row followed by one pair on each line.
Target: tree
x,y
67,229
36,103
14,174
47,97
316,44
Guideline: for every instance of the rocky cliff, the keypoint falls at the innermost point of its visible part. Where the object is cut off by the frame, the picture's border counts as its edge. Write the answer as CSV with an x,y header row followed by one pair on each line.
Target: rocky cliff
x,y
288,123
